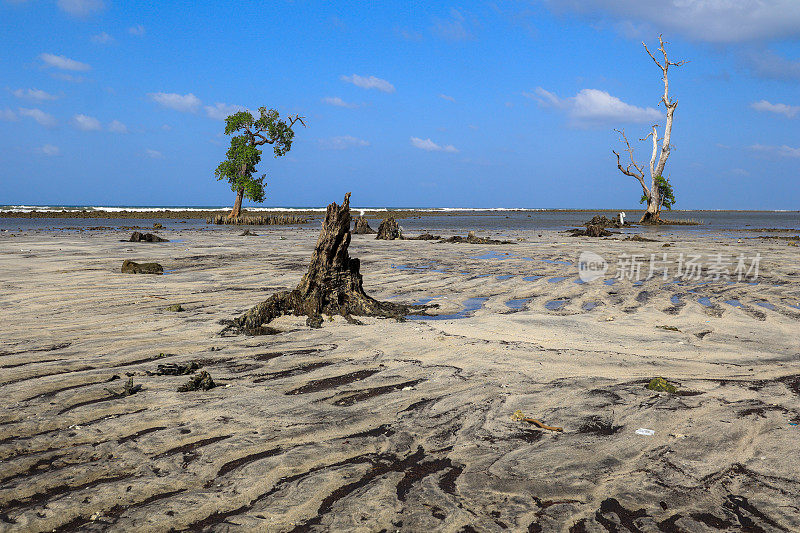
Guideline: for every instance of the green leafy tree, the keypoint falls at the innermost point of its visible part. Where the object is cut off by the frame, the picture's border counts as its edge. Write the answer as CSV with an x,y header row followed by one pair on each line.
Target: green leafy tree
x,y
666,196
243,155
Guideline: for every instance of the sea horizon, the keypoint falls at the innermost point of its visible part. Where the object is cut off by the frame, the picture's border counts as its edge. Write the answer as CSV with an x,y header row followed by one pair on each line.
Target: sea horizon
x,y
23,208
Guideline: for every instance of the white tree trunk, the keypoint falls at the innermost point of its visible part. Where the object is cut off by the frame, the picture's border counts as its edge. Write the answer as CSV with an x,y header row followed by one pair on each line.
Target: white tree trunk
x,y
659,158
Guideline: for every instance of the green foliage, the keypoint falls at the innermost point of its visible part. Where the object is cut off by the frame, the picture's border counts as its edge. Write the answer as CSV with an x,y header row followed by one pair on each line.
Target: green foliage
x,y
666,196
243,155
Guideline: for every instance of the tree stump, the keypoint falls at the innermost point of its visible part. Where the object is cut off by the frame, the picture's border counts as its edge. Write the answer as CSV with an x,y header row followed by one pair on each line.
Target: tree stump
x,y
332,285
362,227
389,230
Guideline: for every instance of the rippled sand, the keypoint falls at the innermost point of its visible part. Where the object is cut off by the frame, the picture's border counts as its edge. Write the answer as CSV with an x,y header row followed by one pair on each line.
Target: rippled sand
x,y
396,425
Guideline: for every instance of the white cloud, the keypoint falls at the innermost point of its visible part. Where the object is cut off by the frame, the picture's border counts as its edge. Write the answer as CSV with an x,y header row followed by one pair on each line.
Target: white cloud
x,y
153,154
448,98
68,77
430,146
719,21
49,150
186,103
86,123
779,151
102,38
594,107
220,111
34,94
342,143
7,115
81,8
790,111
44,119
137,30
370,82
453,28
338,102
166,127
768,64
115,126
63,63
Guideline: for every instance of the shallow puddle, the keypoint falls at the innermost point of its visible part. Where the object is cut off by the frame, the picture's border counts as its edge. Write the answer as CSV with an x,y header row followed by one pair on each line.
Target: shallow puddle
x,y
470,305
734,303
505,277
556,279
706,301
588,306
610,281
517,304
675,299
556,305
532,278
494,255
766,305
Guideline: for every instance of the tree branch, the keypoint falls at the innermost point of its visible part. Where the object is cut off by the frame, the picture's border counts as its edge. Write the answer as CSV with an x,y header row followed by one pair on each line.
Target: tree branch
x,y
639,174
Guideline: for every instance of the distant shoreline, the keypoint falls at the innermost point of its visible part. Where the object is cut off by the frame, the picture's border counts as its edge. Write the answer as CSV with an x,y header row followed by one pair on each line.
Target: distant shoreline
x,y
201,213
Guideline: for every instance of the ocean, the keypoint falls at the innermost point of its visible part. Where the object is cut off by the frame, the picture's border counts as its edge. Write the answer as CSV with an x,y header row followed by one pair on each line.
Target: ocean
x,y
441,219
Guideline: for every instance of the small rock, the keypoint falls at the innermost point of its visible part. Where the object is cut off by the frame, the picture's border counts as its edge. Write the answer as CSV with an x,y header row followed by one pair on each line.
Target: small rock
x,y
131,267
200,381
146,237
175,308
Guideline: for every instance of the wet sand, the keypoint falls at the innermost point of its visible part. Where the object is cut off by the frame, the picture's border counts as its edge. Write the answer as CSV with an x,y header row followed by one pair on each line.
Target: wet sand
x,y
396,425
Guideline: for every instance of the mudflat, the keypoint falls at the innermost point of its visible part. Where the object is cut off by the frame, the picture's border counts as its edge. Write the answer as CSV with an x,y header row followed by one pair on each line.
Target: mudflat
x,y
393,425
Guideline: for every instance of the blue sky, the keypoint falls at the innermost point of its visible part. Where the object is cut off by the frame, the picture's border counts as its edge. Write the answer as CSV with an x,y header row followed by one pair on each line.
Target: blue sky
x,y
508,104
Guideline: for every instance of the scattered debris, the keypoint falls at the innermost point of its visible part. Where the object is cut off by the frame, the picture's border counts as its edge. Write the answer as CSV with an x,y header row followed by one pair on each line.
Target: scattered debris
x,y
702,334
174,308
646,432
605,222
590,231
130,267
177,369
638,238
669,328
248,233
200,381
471,238
424,237
661,385
156,225
520,417
127,390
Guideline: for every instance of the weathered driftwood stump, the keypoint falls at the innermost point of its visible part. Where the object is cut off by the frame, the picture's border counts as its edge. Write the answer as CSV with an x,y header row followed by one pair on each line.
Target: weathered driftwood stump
x,y
332,285
362,227
389,230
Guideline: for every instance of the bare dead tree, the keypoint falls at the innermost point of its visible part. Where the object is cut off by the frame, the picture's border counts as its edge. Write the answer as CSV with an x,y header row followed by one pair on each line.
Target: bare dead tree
x,y
659,158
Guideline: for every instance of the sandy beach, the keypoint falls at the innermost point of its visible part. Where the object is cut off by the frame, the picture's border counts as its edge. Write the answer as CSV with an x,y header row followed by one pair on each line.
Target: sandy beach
x,y
396,425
